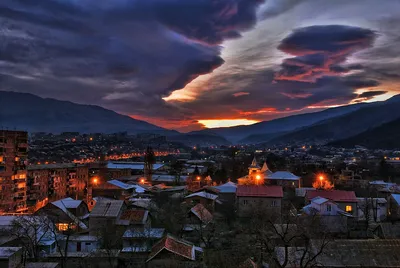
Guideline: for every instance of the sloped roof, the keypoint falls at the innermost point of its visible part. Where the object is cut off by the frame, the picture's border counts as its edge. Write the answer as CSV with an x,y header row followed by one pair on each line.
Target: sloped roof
x,y
202,213
174,245
204,195
229,187
259,191
135,216
334,195
360,253
6,252
283,175
254,163
131,165
62,204
319,200
107,208
396,197
68,202
156,233
127,186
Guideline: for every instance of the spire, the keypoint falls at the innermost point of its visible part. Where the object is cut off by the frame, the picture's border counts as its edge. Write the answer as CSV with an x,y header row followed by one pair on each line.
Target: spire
x,y
254,163
264,167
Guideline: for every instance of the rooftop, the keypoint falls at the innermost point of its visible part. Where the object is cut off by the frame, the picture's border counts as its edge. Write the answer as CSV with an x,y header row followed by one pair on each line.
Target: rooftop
x,y
283,175
109,208
174,245
334,195
396,197
135,216
156,233
203,194
202,213
131,165
259,191
6,252
127,186
228,187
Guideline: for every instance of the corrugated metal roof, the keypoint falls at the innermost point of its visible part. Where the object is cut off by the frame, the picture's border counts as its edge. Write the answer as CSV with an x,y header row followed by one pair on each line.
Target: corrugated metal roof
x,y
131,165
109,208
204,195
283,175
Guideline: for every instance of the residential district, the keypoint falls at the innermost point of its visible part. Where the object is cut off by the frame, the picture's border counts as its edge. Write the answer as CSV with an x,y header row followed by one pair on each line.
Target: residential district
x,y
76,200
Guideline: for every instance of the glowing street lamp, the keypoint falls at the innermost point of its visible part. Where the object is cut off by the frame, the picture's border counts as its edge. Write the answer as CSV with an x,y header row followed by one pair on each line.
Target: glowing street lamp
x,y
198,178
95,180
142,181
321,178
258,177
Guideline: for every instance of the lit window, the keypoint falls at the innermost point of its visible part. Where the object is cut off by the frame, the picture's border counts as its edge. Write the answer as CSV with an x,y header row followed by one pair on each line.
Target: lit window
x,y
62,226
328,208
1,158
16,159
349,209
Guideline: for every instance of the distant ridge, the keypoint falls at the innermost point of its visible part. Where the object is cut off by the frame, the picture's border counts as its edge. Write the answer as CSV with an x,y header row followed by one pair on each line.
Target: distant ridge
x,y
29,112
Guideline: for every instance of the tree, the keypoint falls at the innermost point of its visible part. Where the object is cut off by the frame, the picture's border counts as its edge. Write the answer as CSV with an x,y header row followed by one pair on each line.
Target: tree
x,y
176,169
288,240
31,231
149,161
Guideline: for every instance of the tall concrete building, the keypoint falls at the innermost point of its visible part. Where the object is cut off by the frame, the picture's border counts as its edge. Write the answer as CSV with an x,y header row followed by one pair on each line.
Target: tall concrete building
x,y
13,173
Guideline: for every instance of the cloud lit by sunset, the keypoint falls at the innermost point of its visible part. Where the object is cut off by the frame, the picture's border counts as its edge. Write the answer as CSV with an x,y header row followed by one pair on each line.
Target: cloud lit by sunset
x,y
214,123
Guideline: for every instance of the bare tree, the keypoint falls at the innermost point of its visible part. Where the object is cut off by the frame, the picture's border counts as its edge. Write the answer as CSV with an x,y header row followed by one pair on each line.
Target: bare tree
x,y
30,231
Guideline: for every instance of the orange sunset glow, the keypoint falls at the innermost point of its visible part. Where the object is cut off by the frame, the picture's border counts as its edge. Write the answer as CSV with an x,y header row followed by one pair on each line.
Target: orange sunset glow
x,y
214,123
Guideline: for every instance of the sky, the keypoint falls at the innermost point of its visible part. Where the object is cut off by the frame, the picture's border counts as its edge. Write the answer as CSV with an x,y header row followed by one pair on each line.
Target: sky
x,y
187,65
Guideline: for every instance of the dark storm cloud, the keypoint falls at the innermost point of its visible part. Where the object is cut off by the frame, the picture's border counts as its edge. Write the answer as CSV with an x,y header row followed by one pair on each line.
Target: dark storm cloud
x,y
111,51
210,21
320,50
370,94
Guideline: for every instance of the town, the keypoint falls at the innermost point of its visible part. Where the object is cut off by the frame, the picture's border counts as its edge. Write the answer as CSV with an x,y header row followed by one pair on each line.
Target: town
x,y
200,206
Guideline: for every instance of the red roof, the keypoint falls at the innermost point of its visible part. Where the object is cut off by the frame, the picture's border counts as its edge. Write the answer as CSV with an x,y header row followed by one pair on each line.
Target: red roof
x,y
134,216
173,245
202,213
259,191
334,195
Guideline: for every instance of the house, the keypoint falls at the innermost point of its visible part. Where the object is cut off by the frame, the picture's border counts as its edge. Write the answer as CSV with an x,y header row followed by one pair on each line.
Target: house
x,y
67,213
375,209
206,199
141,240
11,257
173,252
105,215
284,178
346,200
332,217
394,206
80,243
260,197
198,217
138,219
117,190
388,230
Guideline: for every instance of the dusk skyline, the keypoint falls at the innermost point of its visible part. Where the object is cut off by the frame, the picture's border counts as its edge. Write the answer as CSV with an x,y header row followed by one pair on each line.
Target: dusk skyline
x,y
184,64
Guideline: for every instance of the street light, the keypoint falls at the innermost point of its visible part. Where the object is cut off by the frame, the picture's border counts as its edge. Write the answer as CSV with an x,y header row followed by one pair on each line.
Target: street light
x,y
95,180
258,177
198,178
142,181
321,178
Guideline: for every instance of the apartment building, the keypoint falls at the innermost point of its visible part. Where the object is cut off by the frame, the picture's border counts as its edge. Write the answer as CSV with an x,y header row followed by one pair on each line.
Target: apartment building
x,y
13,173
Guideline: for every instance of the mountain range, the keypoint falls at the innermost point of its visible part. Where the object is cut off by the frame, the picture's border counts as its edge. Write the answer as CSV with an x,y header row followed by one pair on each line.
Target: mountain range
x,y
35,114
346,124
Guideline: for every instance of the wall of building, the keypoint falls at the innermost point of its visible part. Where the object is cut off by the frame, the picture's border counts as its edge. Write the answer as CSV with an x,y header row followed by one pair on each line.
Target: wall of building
x,y
13,173
248,205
